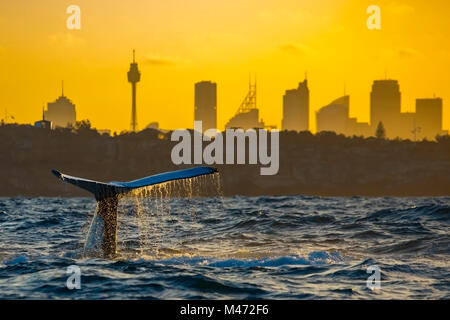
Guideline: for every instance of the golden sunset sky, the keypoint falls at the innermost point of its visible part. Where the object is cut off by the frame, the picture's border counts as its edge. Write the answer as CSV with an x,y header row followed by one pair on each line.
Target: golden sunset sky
x,y
181,42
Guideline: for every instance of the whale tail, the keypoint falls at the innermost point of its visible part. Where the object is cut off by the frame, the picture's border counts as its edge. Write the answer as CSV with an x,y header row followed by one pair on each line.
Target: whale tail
x,y
102,190
107,196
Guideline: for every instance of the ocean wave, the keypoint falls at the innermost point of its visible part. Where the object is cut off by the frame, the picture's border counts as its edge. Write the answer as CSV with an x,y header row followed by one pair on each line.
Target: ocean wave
x,y
313,258
411,214
16,260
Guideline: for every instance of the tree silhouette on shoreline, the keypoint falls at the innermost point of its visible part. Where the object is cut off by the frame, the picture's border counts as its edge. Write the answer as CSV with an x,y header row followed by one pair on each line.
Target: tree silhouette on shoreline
x,y
380,133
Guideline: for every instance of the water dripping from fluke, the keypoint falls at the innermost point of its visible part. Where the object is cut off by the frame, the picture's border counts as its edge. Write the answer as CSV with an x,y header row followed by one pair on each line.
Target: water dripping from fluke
x,y
151,224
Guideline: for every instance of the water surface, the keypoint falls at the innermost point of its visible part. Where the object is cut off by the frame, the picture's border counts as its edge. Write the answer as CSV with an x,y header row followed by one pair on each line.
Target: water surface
x,y
292,247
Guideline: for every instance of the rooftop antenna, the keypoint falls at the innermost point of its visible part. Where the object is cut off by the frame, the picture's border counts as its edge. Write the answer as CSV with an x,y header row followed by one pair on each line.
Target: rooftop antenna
x,y
250,84
134,60
254,88
43,112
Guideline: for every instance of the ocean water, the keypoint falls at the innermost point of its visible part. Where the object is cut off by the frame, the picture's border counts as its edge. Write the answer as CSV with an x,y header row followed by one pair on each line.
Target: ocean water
x,y
294,247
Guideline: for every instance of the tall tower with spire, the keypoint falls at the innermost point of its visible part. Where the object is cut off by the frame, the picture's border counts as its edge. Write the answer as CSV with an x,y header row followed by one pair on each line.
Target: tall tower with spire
x,y
134,76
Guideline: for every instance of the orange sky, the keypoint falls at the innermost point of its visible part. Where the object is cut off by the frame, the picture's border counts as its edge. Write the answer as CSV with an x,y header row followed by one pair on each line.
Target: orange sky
x,y
181,42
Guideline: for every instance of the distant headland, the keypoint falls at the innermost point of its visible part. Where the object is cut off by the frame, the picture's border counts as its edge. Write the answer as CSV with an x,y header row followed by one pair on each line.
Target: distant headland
x,y
325,164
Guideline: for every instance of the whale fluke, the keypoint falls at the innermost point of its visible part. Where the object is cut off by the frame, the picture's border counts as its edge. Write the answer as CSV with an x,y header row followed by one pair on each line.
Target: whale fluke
x,y
107,196
105,190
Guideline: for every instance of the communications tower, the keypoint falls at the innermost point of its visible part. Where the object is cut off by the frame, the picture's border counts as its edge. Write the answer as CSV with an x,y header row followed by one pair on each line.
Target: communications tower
x,y
134,76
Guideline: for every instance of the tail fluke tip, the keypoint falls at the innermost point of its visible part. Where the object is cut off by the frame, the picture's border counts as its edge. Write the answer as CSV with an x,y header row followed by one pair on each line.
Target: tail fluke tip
x,y
56,173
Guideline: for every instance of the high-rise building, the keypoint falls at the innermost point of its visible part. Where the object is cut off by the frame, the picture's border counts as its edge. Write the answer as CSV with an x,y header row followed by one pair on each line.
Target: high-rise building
x,y
246,120
62,112
134,76
296,108
206,104
356,128
429,117
385,106
247,116
335,117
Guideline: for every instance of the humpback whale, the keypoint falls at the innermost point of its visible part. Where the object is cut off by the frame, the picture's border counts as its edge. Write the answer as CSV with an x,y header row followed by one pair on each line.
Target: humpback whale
x,y
107,196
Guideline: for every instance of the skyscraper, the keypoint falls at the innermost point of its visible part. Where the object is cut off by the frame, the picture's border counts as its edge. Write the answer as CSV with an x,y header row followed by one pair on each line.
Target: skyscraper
x,y
134,76
296,108
62,112
334,117
429,117
385,106
205,109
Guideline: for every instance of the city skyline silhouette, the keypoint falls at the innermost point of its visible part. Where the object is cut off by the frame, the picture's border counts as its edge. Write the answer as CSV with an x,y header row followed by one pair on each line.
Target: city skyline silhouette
x,y
385,109
178,45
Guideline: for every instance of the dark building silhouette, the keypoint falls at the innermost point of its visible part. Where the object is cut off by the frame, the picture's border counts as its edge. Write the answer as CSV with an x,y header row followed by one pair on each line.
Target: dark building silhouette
x,y
354,127
206,104
385,106
245,120
335,117
44,124
429,117
296,108
134,76
61,112
247,116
